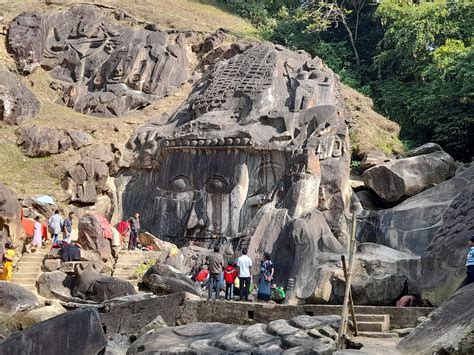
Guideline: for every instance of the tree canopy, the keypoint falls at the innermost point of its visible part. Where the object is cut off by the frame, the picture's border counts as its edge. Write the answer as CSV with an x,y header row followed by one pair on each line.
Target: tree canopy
x,y
414,58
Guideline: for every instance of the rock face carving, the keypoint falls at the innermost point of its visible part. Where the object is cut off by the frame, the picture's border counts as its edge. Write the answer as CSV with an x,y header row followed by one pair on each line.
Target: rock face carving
x,y
17,102
101,68
92,286
261,141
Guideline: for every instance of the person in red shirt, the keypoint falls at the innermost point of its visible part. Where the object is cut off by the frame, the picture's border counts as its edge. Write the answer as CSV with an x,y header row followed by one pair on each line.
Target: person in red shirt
x,y
230,273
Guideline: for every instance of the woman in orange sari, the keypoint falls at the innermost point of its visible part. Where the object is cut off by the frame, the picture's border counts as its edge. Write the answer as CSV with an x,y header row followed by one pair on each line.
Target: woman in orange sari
x,y
7,259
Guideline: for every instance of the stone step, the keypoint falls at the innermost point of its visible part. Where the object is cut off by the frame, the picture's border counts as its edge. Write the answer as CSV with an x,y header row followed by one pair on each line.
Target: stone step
x,y
24,277
372,318
372,326
377,335
31,260
28,287
25,284
125,276
22,268
128,263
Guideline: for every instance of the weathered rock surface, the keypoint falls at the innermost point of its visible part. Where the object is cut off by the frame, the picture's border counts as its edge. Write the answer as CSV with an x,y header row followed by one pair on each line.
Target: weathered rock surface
x,y
381,276
17,102
374,158
92,236
77,332
38,141
443,262
449,329
294,336
161,282
129,315
149,240
89,285
117,344
407,177
15,302
15,298
10,222
86,181
55,285
411,226
424,149
101,68
49,311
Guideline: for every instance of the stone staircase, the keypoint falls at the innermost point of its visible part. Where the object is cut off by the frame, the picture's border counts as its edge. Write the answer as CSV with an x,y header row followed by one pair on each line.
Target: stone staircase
x,y
129,261
28,268
374,325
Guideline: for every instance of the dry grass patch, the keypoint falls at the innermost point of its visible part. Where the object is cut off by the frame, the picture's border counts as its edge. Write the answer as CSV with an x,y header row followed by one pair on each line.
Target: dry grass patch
x,y
370,130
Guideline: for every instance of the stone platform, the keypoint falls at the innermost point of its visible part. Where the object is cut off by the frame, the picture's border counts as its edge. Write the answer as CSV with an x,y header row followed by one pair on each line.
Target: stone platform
x,y
184,308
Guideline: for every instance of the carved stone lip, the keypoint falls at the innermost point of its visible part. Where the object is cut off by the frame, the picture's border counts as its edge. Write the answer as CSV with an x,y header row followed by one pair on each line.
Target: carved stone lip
x,y
206,143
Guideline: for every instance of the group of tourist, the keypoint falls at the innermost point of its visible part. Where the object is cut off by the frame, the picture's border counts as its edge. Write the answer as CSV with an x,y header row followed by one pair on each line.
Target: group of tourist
x,y
238,275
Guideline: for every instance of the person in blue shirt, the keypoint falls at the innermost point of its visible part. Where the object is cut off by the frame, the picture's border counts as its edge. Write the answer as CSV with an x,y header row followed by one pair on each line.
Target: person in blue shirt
x,y
470,262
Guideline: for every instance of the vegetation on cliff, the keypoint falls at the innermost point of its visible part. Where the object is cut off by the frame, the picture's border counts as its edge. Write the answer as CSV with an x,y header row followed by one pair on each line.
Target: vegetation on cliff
x,y
414,58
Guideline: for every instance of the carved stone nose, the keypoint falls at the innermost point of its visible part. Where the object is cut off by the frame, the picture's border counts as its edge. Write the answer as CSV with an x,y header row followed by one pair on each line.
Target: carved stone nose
x,y
193,219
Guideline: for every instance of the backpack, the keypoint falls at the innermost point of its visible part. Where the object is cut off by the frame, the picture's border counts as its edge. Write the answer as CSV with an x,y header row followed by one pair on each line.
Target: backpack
x,y
278,294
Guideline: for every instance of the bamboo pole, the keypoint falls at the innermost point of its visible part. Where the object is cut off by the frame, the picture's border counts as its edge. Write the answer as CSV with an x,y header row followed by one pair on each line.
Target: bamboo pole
x,y
343,325
351,302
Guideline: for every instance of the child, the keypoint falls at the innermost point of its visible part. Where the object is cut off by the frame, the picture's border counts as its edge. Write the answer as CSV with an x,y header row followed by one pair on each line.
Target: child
x,y
36,242
230,273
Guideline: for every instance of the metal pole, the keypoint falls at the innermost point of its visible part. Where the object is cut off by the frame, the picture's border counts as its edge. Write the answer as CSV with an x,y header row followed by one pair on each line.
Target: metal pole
x,y
351,303
342,326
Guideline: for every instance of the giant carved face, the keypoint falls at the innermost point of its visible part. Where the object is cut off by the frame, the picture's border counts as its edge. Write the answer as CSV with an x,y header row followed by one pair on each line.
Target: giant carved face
x,y
205,194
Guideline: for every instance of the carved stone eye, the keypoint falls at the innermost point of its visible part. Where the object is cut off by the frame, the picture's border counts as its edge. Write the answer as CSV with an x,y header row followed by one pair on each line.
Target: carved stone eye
x,y
216,184
180,184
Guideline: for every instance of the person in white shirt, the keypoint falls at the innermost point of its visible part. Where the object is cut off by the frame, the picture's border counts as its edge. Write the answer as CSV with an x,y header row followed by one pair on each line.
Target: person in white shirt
x,y
244,263
55,224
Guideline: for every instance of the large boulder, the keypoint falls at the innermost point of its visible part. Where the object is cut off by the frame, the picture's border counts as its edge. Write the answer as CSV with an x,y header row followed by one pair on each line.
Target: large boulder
x,y
15,302
10,217
407,177
55,285
51,310
381,276
447,330
424,149
149,240
86,181
38,141
15,298
301,334
17,102
77,332
443,262
95,235
411,226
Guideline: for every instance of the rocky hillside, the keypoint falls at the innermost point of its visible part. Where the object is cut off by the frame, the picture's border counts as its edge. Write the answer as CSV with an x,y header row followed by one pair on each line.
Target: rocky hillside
x,y
42,175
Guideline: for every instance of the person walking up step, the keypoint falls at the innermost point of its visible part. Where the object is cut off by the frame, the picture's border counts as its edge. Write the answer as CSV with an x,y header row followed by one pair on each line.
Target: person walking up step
x,y
134,229
55,224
